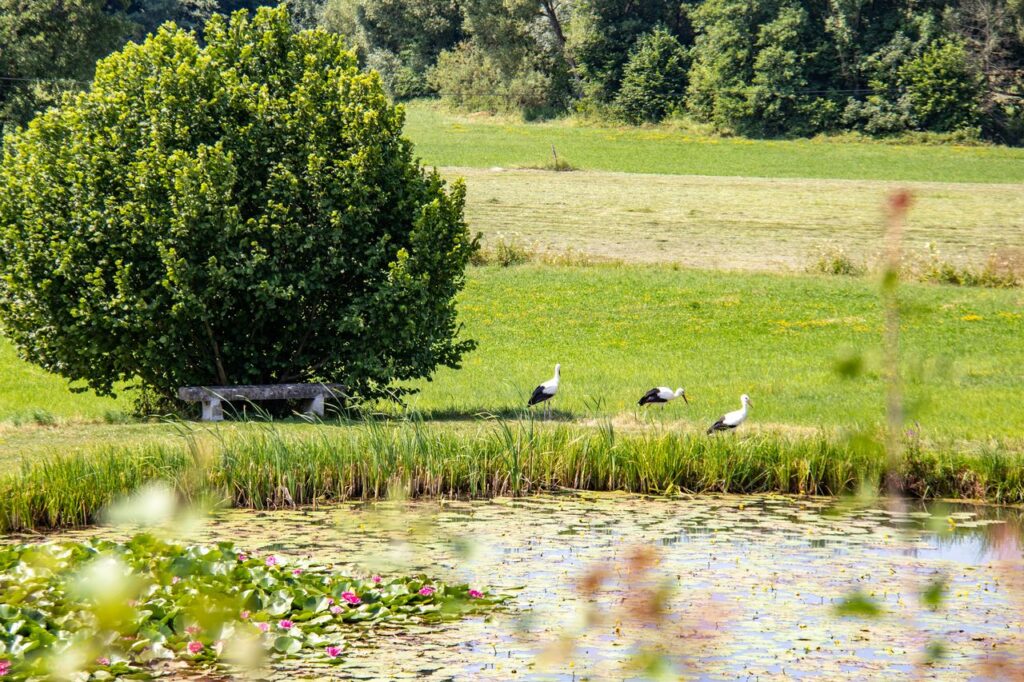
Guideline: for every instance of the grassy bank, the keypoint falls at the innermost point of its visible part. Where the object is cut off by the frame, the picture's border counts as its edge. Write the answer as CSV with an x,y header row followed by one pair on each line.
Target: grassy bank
x,y
618,330
445,139
265,468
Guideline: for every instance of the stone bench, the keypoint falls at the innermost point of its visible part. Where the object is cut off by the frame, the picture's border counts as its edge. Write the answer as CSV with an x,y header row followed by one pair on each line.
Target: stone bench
x,y
212,397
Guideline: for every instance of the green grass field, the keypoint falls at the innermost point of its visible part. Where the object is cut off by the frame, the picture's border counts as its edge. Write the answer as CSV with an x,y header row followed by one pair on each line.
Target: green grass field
x,y
619,329
444,139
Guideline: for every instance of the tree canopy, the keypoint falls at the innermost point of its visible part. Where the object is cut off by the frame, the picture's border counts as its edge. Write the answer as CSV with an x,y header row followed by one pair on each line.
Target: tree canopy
x,y
240,211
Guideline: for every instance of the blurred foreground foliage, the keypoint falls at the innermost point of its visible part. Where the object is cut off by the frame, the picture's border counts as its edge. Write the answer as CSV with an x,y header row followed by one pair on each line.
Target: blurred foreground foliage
x,y
133,610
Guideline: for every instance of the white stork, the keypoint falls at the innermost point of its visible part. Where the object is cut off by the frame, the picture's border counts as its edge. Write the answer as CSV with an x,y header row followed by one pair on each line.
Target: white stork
x,y
663,394
732,419
545,391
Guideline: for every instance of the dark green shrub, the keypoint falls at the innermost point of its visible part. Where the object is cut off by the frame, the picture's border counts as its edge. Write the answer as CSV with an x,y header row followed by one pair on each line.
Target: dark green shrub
x,y
654,80
471,79
943,90
243,212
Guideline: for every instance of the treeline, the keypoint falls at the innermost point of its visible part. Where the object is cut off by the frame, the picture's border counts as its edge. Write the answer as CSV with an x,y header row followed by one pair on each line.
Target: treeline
x,y
49,47
761,68
753,67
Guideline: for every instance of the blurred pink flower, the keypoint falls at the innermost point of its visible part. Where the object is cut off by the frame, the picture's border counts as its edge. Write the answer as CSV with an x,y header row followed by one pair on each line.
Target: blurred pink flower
x,y
263,626
330,600
5,667
285,624
244,615
102,660
271,560
193,629
175,580
195,647
475,594
335,610
296,571
351,598
242,557
426,590
334,651
376,578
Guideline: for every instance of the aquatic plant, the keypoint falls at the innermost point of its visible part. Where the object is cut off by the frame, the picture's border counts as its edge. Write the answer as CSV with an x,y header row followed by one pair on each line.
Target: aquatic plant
x,y
147,606
265,468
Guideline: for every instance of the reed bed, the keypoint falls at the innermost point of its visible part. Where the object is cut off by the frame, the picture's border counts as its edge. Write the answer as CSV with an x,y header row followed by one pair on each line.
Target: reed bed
x,y
265,468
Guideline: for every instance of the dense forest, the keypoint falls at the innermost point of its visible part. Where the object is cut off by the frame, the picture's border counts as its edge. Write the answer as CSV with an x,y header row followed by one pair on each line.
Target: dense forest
x,y
763,68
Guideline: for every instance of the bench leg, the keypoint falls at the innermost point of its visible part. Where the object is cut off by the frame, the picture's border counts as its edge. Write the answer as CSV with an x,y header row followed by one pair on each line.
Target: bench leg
x,y
212,410
315,406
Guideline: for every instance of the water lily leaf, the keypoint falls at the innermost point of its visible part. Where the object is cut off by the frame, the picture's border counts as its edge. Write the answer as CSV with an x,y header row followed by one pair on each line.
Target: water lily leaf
x,y
287,645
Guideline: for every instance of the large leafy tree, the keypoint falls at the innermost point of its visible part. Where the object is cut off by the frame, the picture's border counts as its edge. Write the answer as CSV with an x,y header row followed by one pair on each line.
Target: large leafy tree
x,y
243,212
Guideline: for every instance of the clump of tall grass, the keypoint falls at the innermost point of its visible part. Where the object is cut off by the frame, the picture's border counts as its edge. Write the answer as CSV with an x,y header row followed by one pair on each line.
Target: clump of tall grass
x,y
836,261
503,252
999,271
511,252
265,468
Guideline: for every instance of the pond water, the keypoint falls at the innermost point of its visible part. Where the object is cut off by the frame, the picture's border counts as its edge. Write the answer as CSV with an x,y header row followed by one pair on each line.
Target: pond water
x,y
611,586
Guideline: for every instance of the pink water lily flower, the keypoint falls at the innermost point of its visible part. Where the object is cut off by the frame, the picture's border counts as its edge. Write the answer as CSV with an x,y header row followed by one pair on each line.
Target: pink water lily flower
x,y
195,647
336,610
296,571
475,594
426,590
271,560
286,624
102,660
334,651
5,667
376,578
193,629
351,597
264,627
244,615
243,557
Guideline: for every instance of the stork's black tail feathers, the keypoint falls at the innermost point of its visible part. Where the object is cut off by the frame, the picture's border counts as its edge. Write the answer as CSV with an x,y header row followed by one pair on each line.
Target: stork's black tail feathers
x,y
717,426
538,396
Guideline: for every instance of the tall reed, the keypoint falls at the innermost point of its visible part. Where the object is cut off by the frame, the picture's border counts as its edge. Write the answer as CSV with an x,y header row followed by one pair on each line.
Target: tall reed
x,y
264,467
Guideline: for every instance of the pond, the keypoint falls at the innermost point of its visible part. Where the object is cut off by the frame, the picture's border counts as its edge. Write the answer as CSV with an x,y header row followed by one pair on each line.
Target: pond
x,y
614,586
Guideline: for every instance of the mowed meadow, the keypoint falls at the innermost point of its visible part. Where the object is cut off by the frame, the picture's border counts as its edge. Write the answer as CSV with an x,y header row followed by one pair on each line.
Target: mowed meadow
x,y
644,286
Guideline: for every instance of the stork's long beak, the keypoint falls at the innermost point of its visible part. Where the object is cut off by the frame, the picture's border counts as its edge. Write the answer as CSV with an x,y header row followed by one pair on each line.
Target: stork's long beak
x,y
685,399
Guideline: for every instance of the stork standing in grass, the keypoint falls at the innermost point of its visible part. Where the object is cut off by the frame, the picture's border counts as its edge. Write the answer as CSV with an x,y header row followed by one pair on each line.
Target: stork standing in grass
x,y
731,420
662,394
546,391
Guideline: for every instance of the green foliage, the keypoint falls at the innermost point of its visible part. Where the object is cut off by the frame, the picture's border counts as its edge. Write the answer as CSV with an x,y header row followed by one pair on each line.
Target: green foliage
x,y
126,609
319,464
469,78
605,33
244,212
943,90
509,62
654,80
750,68
50,46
